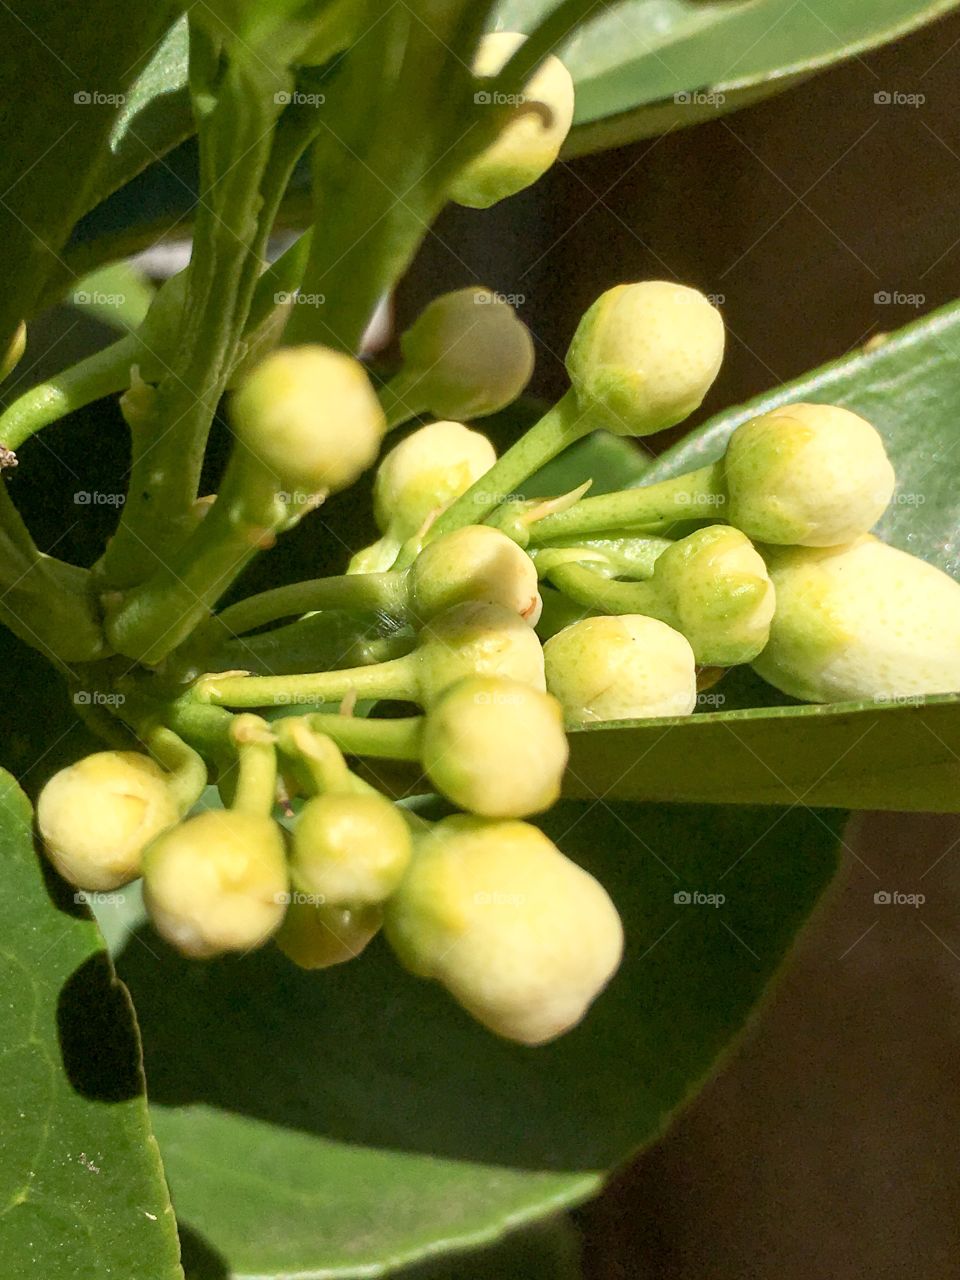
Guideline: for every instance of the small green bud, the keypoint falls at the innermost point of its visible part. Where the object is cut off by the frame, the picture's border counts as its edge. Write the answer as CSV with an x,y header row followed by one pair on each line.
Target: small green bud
x,y
861,621
217,882
318,937
15,349
719,594
521,936
530,142
496,747
645,355
814,475
476,639
97,816
349,850
620,668
477,563
425,473
467,355
311,417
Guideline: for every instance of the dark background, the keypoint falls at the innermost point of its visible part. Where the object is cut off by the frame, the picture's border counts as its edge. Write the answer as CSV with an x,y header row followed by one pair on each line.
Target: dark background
x,y
828,1145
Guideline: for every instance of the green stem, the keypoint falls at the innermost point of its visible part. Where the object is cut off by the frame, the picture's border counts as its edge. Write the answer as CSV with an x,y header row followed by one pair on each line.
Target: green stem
x,y
373,592
186,767
205,727
322,640
150,620
605,595
562,426
102,374
696,495
256,789
362,736
552,31
318,755
396,680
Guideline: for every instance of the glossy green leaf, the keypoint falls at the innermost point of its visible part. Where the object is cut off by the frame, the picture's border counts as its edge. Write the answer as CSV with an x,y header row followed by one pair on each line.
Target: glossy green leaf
x,y
642,67
64,84
81,1185
349,1122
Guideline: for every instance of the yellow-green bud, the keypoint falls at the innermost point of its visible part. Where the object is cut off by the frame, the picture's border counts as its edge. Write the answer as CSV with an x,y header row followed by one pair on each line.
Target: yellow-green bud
x,y
814,475
477,563
496,747
530,142
472,353
425,473
97,816
645,355
311,417
476,639
620,668
521,936
317,937
217,882
349,850
861,621
15,349
720,594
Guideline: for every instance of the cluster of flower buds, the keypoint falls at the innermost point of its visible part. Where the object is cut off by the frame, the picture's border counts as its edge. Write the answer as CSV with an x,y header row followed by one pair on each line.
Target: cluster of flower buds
x,y
763,556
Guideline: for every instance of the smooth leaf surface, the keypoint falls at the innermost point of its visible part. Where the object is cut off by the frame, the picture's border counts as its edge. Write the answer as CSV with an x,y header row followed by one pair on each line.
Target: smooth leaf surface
x,y
631,60
81,1185
348,1122
853,755
64,77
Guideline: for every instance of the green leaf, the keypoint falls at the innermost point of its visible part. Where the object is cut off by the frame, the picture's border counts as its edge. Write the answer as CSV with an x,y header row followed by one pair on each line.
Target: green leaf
x,y
632,60
64,83
81,1185
349,1122
852,755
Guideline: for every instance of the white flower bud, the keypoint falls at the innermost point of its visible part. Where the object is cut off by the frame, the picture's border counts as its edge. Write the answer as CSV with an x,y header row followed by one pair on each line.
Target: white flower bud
x,y
97,816
645,355
620,668
477,563
496,747
814,475
521,936
217,882
425,473
530,143
320,936
467,355
310,416
349,850
476,639
861,621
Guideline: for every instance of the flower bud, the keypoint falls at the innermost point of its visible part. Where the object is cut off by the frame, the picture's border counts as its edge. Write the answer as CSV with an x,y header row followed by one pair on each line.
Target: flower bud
x,y
861,621
217,882
719,593
477,563
425,473
97,816
528,144
620,668
318,937
521,936
496,747
645,355
11,357
476,639
467,355
349,850
310,416
814,475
